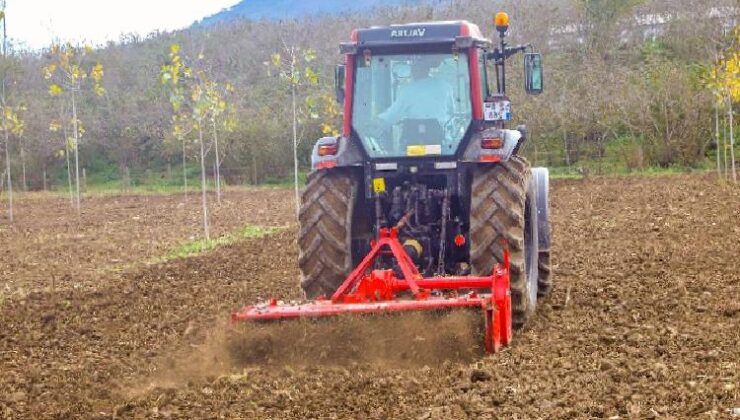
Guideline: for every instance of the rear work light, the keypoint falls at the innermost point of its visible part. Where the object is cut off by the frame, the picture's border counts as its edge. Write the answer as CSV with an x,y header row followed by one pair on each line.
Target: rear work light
x,y
492,143
328,149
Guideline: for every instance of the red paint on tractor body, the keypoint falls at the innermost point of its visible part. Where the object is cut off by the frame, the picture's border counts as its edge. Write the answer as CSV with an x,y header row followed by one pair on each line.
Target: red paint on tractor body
x,y
349,87
490,158
327,164
475,84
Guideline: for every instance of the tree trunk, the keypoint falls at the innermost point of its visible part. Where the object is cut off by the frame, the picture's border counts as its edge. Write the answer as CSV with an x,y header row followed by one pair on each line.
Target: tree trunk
x,y
716,139
565,146
44,173
732,139
254,167
184,169
66,155
7,169
295,153
203,186
536,155
5,126
724,148
69,173
218,164
77,149
23,165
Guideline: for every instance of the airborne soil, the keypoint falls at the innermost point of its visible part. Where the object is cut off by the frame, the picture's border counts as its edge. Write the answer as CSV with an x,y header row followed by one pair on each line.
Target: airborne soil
x,y
644,320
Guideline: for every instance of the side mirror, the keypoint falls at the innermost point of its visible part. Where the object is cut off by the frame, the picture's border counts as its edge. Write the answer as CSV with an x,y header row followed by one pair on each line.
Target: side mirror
x,y
533,84
339,82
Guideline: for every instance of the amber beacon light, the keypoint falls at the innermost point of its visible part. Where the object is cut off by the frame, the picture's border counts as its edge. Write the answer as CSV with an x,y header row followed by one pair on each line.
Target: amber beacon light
x,y
502,22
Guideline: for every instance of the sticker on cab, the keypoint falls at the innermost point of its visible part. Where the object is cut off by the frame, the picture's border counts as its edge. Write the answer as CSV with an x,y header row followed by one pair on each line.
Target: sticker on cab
x,y
498,109
379,185
423,149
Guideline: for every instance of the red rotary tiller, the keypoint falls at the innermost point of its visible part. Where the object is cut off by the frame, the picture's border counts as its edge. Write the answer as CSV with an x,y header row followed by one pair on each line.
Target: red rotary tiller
x,y
368,291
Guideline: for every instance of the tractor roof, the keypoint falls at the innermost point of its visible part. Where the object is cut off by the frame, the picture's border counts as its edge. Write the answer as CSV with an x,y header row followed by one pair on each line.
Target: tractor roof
x,y
462,33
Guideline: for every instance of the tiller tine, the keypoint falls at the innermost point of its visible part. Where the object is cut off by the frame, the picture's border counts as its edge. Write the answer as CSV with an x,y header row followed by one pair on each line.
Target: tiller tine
x,y
367,291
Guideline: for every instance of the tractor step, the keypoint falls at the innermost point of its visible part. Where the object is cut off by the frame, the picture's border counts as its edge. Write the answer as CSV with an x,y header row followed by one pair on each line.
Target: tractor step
x,y
368,291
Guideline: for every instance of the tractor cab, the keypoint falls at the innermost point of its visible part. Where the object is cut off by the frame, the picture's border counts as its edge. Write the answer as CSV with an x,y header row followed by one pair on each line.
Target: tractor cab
x,y
412,87
422,90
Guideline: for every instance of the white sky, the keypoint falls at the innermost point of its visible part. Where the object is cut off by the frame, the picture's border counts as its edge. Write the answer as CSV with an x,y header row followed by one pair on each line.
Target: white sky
x,y
35,23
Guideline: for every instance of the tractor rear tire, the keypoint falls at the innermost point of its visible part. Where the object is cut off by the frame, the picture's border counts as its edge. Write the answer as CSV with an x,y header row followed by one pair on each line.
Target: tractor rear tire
x,y
500,213
544,234
545,274
324,237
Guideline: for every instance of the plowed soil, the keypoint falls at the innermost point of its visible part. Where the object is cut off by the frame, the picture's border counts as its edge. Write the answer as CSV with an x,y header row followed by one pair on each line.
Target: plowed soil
x,y
49,242
644,320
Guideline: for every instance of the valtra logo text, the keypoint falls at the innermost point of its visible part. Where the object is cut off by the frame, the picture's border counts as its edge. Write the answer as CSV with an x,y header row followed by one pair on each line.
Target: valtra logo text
x,y
408,33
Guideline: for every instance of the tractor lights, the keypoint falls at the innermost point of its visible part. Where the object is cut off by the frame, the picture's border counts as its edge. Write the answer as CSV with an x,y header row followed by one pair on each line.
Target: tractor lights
x,y
328,149
502,22
491,143
327,146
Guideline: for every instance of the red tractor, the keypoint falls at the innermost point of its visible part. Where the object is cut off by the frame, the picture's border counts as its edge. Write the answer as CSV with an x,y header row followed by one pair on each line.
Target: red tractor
x,y
423,202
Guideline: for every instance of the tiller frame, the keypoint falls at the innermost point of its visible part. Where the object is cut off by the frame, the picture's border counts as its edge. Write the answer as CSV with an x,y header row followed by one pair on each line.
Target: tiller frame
x,y
380,291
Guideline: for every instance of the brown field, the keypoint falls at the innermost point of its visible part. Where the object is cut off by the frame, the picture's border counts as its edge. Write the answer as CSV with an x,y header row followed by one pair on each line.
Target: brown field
x,y
644,320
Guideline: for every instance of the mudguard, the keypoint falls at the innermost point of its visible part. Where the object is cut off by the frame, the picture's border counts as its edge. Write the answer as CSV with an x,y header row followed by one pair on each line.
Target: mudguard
x,y
475,153
541,177
347,154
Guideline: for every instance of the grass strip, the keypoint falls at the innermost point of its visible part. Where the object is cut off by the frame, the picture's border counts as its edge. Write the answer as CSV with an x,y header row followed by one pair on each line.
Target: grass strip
x,y
199,246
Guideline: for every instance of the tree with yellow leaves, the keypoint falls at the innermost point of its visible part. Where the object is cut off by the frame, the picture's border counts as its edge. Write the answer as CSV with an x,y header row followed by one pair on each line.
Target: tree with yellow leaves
x,y
174,75
294,71
197,102
190,106
723,79
200,107
11,124
59,125
70,72
222,116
